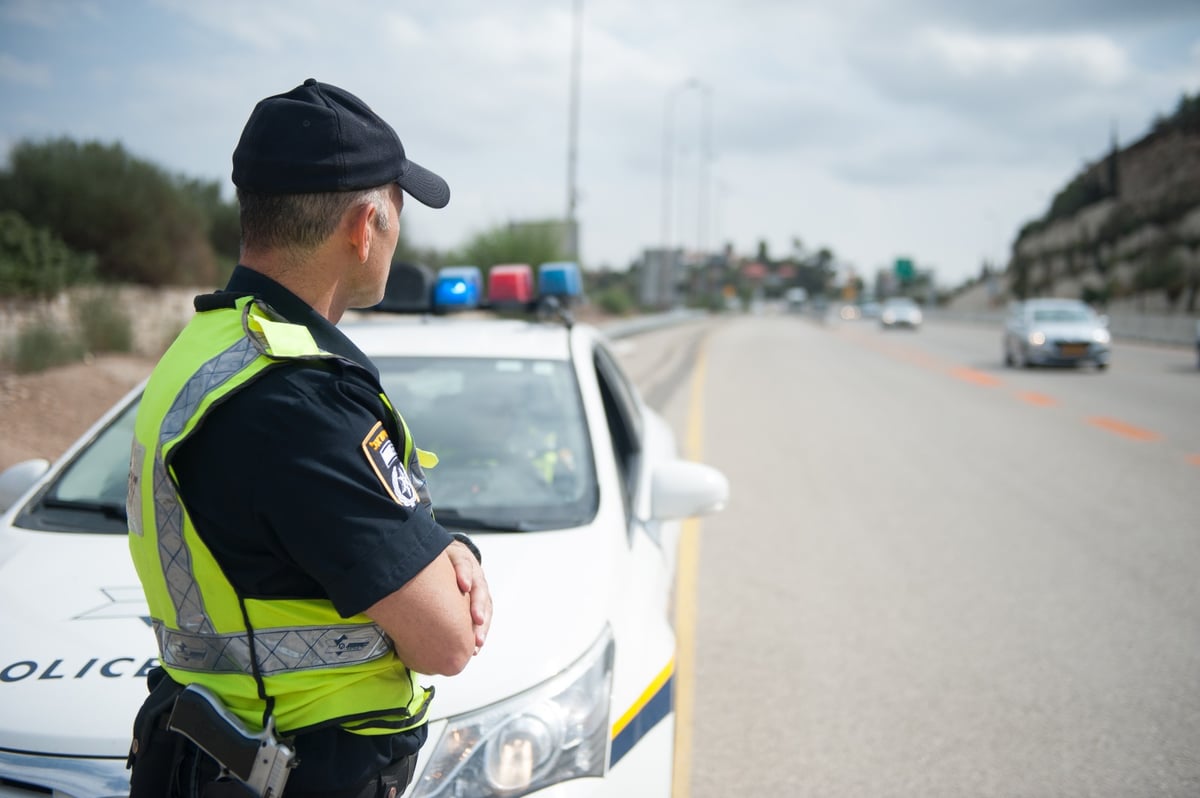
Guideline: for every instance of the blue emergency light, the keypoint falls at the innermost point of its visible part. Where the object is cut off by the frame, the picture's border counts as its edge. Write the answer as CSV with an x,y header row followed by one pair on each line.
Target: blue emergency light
x,y
560,279
458,288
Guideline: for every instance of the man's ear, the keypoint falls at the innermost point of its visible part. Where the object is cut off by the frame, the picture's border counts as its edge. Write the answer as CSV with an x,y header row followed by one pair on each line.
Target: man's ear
x,y
361,223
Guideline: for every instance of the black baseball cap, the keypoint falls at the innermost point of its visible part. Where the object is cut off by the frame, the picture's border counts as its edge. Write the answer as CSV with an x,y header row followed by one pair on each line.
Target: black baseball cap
x,y
318,138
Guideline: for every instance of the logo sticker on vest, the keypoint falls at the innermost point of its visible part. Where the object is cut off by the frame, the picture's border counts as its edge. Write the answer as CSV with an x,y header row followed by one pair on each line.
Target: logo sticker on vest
x,y
385,461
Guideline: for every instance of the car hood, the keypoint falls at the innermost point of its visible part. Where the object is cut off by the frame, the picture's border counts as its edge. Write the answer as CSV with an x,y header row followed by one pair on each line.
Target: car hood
x,y
76,638
75,643
1077,330
551,592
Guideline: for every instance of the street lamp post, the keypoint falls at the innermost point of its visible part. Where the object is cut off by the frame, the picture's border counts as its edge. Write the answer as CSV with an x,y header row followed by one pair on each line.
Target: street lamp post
x,y
573,132
668,188
705,158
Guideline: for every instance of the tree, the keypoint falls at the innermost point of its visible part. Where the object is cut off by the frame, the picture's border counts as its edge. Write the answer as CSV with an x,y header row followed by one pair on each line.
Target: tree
x,y
221,217
34,263
524,243
143,225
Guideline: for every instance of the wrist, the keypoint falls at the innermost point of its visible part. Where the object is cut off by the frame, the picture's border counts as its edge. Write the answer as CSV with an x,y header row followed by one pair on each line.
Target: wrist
x,y
466,541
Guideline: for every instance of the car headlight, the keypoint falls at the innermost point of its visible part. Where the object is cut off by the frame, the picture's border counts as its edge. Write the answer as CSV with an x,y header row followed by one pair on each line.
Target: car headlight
x,y
1101,336
551,733
1037,338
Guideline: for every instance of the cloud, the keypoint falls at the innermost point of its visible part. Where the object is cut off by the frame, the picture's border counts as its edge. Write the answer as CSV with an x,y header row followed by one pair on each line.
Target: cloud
x,y
1059,15
994,74
1080,58
260,27
45,14
25,74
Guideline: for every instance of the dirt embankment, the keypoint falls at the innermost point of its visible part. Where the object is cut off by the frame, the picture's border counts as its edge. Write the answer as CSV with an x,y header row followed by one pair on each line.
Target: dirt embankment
x,y
42,414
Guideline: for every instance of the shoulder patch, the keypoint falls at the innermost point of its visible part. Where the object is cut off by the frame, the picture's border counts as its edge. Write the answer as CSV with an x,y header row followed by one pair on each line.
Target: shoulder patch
x,y
385,462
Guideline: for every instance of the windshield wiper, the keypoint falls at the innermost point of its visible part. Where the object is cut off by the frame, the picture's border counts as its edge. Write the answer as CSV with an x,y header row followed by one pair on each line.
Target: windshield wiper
x,y
450,517
107,509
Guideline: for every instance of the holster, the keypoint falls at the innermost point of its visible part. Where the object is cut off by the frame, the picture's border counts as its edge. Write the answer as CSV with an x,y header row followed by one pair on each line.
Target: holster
x,y
155,752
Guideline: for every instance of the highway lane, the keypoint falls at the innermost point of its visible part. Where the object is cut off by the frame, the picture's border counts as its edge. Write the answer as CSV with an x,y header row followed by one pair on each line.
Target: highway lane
x,y
936,576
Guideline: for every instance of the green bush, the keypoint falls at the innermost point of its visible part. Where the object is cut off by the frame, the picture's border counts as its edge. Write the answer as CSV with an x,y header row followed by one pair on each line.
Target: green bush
x,y
35,263
615,301
103,325
42,346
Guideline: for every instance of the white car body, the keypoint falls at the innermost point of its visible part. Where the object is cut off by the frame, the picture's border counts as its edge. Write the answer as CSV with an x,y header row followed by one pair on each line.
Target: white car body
x,y
76,641
899,312
1056,332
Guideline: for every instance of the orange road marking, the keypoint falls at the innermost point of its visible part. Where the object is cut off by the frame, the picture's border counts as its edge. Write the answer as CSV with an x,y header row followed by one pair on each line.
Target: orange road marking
x,y
977,377
1194,459
1039,399
1123,429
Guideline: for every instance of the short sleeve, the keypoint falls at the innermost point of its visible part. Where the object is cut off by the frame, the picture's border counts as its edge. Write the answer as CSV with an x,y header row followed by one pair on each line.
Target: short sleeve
x,y
329,496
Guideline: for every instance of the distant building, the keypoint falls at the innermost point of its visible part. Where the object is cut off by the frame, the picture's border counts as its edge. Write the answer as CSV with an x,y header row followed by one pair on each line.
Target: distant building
x,y
661,273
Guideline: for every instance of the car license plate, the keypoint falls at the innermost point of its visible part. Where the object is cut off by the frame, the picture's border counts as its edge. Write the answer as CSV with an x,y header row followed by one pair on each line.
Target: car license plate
x,y
1073,350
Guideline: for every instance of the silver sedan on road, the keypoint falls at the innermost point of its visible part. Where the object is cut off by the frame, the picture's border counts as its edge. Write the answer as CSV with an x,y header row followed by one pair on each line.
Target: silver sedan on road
x,y
1055,332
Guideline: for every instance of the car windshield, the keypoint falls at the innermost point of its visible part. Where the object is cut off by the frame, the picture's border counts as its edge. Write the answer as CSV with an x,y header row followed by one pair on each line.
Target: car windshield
x,y
89,494
1061,314
509,434
510,437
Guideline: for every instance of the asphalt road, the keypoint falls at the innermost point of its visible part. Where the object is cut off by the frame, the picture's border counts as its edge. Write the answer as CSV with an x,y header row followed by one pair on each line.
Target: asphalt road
x,y
937,576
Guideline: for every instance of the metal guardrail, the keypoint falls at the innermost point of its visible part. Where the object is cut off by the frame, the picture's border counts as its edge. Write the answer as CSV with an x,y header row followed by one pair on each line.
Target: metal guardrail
x,y
623,328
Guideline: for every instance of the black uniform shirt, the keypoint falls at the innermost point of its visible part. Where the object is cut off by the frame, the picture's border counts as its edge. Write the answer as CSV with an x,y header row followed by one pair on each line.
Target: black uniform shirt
x,y
278,486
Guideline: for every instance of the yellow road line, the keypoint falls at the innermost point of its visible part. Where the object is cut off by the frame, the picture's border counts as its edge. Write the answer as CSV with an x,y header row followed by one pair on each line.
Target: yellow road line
x,y
687,577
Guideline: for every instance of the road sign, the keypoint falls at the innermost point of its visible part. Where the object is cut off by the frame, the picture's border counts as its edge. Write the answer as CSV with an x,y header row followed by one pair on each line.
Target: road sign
x,y
904,269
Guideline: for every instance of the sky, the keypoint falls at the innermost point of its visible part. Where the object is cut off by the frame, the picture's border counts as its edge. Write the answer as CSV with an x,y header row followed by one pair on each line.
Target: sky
x,y
925,129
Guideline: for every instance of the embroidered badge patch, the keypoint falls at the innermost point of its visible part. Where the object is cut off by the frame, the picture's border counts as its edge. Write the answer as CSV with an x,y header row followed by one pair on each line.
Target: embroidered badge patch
x,y
385,461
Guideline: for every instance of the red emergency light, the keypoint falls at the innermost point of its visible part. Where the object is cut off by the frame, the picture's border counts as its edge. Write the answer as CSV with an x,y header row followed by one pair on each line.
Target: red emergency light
x,y
510,285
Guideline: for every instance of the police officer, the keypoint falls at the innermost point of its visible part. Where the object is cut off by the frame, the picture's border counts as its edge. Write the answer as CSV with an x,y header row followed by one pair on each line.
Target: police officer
x,y
279,520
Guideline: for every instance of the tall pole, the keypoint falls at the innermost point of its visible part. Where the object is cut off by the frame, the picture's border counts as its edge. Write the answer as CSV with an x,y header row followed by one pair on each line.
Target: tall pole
x,y
666,167
573,131
668,157
705,158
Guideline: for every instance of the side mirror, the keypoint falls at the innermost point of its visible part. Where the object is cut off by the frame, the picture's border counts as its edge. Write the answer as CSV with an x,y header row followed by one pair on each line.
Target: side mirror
x,y
682,489
18,478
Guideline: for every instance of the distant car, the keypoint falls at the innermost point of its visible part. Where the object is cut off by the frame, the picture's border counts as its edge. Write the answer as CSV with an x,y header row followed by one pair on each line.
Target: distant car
x,y
870,309
900,312
1056,332
572,487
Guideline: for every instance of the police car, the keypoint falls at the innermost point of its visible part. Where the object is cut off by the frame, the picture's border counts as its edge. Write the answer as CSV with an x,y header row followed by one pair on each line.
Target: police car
x,y
571,487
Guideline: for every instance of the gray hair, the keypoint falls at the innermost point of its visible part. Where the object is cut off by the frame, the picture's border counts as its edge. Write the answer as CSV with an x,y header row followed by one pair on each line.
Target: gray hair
x,y
303,221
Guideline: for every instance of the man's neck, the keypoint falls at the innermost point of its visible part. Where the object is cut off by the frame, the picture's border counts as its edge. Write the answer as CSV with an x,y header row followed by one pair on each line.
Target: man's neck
x,y
308,278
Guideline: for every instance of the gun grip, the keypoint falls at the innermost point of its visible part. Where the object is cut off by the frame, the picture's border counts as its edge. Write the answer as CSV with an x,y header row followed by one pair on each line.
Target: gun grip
x,y
217,732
